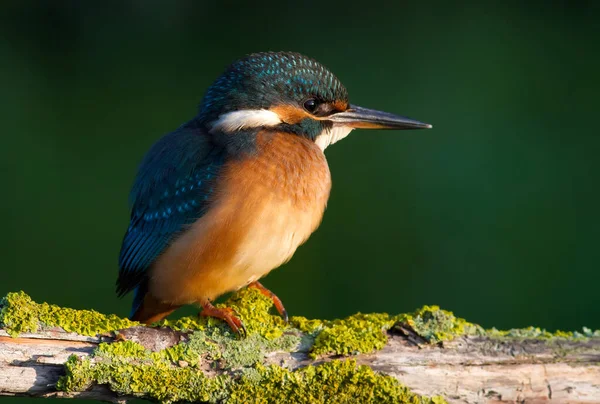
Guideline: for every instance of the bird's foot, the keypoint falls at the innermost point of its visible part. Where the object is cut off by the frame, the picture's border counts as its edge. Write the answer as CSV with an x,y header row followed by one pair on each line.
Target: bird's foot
x,y
227,314
276,301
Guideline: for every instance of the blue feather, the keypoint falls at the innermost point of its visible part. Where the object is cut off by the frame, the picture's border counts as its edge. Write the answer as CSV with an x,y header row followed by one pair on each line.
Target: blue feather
x,y
138,297
171,191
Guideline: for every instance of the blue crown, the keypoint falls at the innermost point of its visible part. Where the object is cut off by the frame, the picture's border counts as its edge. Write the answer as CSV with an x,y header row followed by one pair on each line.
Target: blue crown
x,y
261,80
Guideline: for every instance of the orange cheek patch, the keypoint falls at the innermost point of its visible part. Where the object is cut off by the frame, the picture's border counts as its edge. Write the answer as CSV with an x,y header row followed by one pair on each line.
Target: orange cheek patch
x,y
290,114
340,105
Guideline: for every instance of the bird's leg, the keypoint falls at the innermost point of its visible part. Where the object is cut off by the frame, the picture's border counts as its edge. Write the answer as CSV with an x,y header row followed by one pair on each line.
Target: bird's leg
x,y
276,301
227,314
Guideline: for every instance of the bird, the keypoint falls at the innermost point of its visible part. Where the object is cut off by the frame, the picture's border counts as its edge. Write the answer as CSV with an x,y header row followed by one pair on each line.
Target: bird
x,y
231,194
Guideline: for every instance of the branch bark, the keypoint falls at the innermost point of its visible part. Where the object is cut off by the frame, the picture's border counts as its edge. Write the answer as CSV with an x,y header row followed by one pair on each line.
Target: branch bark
x,y
465,370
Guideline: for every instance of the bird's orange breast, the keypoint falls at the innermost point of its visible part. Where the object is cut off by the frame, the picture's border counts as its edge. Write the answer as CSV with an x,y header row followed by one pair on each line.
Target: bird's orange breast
x,y
265,206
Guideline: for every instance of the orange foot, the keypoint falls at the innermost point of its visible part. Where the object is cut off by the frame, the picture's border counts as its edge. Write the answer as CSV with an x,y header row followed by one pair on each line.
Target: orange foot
x,y
227,314
272,296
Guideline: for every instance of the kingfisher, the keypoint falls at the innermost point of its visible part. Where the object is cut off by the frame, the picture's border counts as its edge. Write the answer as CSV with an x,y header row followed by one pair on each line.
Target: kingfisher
x,y
230,195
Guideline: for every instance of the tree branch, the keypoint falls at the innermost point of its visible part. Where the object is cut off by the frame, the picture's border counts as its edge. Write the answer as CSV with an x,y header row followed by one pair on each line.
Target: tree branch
x,y
530,366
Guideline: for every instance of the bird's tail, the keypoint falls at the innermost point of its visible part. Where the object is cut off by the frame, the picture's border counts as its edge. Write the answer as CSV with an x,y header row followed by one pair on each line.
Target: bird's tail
x,y
147,309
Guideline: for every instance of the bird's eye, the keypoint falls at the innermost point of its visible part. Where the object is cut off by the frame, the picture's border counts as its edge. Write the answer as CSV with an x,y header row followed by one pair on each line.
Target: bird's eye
x,y
311,105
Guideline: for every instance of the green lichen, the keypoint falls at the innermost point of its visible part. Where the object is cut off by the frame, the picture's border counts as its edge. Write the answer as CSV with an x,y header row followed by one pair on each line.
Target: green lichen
x,y
179,373
19,314
364,333
307,325
177,354
129,368
254,309
174,374
123,349
144,376
235,353
339,381
189,323
533,332
182,354
586,333
251,306
359,333
139,373
437,325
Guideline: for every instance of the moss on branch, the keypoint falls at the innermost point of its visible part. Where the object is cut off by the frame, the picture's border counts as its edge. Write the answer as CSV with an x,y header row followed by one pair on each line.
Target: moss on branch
x,y
19,314
213,365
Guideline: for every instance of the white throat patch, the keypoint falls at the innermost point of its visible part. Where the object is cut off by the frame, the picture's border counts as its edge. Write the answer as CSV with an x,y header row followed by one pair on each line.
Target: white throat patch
x,y
330,136
247,118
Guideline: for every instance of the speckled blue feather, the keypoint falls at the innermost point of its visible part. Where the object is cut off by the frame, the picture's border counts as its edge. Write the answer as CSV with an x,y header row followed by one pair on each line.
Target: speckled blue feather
x,y
172,190
261,80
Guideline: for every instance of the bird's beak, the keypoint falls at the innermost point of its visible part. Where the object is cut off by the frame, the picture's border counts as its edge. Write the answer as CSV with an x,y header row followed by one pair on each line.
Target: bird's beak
x,y
364,118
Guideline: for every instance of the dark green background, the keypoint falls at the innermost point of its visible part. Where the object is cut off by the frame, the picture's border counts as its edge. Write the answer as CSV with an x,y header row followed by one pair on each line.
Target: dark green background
x,y
492,214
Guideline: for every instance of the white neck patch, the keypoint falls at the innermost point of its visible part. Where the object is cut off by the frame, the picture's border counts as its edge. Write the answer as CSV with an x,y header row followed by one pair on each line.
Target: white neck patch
x,y
330,136
255,118
246,118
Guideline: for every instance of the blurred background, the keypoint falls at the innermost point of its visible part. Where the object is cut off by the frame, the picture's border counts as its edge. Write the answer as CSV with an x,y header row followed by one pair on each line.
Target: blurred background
x,y
492,214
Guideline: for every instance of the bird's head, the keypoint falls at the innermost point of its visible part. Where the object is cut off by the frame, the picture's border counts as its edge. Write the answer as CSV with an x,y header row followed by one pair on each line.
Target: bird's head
x,y
290,93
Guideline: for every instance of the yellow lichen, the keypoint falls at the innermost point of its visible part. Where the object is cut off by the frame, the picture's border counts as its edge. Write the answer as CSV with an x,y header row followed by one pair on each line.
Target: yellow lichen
x,y
309,326
359,333
339,381
18,314
174,374
131,370
157,379
251,306
436,325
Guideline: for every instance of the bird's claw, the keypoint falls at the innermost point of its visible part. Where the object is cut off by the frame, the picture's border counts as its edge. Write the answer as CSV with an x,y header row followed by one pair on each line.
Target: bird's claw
x,y
228,315
276,301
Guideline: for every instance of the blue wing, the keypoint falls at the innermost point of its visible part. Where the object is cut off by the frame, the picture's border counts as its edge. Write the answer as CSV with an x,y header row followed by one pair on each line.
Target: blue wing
x,y
171,191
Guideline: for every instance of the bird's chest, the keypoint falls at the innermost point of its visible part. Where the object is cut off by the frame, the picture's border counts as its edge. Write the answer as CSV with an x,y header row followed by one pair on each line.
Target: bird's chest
x,y
276,200
264,207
